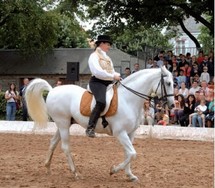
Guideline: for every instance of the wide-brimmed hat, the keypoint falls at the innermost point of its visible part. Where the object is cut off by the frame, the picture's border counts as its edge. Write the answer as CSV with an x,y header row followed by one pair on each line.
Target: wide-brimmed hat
x,y
104,38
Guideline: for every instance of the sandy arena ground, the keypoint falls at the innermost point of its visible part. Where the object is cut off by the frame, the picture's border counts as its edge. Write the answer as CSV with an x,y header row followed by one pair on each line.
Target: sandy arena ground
x,y
159,163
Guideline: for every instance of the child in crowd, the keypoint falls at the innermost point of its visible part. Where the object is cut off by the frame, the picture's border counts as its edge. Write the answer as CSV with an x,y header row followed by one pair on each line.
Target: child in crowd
x,y
181,78
205,75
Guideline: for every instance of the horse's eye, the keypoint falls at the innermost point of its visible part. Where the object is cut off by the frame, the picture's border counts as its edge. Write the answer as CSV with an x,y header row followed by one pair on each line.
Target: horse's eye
x,y
168,83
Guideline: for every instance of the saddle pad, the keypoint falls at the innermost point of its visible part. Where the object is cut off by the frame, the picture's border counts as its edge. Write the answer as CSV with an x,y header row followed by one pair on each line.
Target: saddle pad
x,y
86,101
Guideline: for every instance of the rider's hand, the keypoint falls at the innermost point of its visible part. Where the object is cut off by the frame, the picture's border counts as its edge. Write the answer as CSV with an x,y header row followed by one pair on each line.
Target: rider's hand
x,y
117,77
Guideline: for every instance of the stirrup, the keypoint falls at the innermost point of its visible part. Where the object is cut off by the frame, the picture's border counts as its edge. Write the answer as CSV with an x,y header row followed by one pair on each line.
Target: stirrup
x,y
90,133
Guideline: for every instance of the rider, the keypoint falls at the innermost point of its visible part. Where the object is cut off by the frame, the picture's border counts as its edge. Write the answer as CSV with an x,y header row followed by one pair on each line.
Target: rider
x,y
103,74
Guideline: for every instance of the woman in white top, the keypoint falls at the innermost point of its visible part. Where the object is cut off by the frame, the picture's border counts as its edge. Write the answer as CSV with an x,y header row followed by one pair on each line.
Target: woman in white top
x,y
149,113
183,90
11,95
103,74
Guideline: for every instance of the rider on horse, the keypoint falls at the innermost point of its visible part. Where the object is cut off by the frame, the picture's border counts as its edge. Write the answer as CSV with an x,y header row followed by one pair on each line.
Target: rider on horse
x,y
103,74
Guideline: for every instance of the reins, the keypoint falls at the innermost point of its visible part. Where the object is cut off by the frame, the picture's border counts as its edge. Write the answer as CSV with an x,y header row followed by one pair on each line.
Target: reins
x,y
164,94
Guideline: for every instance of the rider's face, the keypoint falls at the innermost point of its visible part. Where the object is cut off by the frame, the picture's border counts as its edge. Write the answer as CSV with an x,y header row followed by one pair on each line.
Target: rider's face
x,y
105,46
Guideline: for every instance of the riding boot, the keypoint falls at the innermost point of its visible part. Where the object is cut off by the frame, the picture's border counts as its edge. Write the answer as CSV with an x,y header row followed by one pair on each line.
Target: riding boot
x,y
99,107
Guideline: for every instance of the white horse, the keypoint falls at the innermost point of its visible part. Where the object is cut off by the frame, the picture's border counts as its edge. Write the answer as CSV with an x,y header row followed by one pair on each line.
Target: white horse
x,y
63,106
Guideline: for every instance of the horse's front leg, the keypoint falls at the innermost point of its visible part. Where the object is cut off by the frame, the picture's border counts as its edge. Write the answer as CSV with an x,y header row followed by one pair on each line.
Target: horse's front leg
x,y
128,171
130,154
53,143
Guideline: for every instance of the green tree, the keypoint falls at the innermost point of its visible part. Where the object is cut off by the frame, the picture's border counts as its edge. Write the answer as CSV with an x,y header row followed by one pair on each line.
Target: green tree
x,y
118,13
131,42
26,26
35,27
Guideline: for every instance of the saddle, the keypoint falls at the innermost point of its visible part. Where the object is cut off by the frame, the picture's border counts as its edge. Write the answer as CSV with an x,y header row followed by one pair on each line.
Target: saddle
x,y
88,102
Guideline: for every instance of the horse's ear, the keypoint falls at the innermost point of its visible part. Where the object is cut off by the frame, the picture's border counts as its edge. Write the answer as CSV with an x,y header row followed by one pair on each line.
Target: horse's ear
x,y
163,69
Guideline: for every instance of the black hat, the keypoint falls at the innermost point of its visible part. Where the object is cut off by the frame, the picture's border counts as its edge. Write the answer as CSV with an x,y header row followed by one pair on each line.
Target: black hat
x,y
104,38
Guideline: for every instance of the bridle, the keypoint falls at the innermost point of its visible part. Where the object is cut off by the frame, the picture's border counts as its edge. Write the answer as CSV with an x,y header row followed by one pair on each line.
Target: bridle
x,y
164,94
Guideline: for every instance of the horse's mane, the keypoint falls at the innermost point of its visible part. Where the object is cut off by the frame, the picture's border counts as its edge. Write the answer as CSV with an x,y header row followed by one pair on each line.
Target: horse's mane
x,y
140,73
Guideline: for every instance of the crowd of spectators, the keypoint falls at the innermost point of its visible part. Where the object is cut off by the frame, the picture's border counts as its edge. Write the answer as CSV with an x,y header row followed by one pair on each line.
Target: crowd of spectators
x,y
193,78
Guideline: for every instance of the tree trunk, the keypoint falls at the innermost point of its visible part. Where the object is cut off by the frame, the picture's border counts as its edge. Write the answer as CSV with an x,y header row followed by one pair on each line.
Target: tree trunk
x,y
198,46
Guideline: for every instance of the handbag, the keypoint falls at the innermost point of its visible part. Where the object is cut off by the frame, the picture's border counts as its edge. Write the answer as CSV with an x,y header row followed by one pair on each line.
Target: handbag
x,y
18,104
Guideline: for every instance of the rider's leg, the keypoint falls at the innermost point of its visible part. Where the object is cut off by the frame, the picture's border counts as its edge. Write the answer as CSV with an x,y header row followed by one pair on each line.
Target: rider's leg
x,y
99,107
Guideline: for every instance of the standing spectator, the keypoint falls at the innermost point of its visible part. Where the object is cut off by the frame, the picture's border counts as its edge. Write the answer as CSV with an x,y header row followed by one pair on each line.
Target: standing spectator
x,y
149,63
194,70
205,75
127,72
204,63
59,83
154,64
22,96
195,87
160,61
183,90
188,109
174,67
211,68
11,95
193,60
188,58
182,61
136,67
187,70
148,113
200,57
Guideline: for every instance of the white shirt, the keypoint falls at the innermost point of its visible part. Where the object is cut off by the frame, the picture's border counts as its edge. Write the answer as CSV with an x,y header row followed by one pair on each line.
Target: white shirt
x,y
193,90
205,76
97,70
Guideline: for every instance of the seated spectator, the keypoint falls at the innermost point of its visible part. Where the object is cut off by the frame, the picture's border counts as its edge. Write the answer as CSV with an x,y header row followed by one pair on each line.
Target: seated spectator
x,y
188,109
198,117
161,112
183,90
178,109
210,115
194,88
181,78
164,119
149,113
204,87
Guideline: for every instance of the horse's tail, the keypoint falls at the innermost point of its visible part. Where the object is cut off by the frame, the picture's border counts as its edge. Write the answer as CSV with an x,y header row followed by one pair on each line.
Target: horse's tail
x,y
35,101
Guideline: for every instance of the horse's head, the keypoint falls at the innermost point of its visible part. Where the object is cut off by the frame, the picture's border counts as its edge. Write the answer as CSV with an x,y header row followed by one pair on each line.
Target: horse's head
x,y
165,90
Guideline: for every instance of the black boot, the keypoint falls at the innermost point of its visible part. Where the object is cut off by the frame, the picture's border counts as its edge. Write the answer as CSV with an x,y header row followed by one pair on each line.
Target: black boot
x,y
94,118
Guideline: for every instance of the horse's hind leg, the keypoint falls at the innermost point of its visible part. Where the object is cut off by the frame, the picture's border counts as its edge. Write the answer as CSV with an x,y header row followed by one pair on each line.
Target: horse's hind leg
x,y
64,133
53,143
130,154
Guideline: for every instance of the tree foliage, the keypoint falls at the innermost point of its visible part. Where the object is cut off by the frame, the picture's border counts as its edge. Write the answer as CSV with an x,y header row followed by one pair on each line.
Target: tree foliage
x,y
27,25
116,14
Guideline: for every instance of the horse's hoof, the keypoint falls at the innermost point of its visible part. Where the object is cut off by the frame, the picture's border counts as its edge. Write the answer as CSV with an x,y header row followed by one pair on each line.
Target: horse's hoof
x,y
134,179
112,170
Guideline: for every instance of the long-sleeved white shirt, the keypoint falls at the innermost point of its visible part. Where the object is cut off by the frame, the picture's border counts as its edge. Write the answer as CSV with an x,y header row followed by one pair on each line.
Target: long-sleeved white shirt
x,y
97,70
